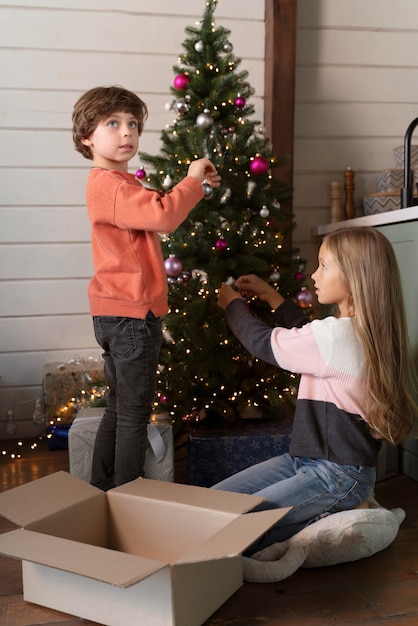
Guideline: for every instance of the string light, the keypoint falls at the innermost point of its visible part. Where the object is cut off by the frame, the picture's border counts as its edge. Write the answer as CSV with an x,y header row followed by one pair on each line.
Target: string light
x,y
15,450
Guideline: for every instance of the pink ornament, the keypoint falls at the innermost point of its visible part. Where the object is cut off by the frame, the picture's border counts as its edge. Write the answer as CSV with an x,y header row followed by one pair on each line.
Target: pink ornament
x,y
304,298
259,165
185,277
140,174
181,81
240,102
163,399
173,265
221,244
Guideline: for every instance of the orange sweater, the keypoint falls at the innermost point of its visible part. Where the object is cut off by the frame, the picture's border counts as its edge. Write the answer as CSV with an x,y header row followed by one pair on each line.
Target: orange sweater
x,y
129,274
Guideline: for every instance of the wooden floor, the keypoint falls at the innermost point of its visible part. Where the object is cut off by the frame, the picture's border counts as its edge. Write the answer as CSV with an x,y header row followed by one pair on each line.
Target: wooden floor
x,y
382,589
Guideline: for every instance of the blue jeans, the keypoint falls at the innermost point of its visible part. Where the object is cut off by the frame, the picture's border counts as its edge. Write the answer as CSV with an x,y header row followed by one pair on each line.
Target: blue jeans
x,y
131,353
313,487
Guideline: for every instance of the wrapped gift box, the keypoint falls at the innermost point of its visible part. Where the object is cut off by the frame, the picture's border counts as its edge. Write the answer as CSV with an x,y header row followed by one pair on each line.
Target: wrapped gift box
x,y
381,202
57,436
63,382
392,180
214,453
398,153
159,458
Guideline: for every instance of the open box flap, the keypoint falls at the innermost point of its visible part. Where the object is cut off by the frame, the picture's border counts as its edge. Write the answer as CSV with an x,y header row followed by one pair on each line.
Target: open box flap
x,y
188,496
109,566
39,499
236,536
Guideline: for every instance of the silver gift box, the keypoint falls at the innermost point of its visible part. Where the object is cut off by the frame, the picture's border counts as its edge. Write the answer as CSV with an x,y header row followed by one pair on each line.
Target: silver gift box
x,y
381,202
398,154
393,180
159,458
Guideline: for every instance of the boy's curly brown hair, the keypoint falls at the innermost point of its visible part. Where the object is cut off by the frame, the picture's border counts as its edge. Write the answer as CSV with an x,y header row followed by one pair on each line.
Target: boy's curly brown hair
x,y
98,103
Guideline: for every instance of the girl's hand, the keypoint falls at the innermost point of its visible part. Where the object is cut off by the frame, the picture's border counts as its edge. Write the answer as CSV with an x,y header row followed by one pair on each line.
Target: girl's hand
x,y
251,285
226,294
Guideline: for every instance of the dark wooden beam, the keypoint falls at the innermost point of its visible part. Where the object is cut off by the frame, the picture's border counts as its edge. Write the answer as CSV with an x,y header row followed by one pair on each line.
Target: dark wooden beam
x,y
279,88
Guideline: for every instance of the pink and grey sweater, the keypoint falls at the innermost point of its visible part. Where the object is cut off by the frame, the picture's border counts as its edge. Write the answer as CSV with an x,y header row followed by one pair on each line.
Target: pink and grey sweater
x,y
329,419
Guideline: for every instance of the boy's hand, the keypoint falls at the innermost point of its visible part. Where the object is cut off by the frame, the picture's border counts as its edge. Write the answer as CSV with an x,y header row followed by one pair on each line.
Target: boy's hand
x,y
226,294
204,170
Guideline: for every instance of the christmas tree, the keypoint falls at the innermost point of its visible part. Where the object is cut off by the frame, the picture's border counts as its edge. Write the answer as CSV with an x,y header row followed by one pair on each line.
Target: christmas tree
x,y
237,229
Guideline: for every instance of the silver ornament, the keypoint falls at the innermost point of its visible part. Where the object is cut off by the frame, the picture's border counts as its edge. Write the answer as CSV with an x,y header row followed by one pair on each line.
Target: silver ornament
x,y
264,212
204,120
226,196
182,106
228,47
167,182
250,188
199,46
207,191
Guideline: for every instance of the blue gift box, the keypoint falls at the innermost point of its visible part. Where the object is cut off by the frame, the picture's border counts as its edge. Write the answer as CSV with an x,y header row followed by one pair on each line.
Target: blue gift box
x,y
214,453
57,436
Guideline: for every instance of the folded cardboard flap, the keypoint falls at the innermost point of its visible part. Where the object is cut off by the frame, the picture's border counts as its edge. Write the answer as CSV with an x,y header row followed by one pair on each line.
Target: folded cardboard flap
x,y
233,539
200,498
109,566
39,499
61,506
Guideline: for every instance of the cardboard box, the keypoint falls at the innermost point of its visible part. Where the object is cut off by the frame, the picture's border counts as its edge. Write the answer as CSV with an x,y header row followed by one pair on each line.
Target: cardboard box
x,y
150,552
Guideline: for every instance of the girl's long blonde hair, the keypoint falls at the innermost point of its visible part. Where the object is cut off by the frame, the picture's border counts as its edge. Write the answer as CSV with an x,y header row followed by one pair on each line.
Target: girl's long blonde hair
x,y
369,270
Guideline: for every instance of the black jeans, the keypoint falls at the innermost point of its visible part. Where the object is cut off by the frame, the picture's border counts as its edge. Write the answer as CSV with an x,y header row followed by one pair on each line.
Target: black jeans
x,y
131,352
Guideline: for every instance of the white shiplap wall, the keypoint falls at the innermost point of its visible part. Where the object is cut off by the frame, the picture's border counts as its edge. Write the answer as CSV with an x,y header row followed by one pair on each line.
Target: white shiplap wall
x,y
356,93
51,51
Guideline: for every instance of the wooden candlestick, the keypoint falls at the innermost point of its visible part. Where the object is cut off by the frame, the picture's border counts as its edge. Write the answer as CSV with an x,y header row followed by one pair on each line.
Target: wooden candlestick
x,y
336,208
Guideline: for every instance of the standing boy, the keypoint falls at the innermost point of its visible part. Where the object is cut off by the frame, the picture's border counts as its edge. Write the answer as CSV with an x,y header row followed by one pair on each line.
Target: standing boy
x,y
128,292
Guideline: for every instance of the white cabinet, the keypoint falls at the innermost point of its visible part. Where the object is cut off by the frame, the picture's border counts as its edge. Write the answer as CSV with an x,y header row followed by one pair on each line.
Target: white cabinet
x,y
404,238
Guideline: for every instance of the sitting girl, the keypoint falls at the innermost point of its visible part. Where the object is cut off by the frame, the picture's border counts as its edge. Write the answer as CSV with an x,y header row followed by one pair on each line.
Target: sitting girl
x,y
355,386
